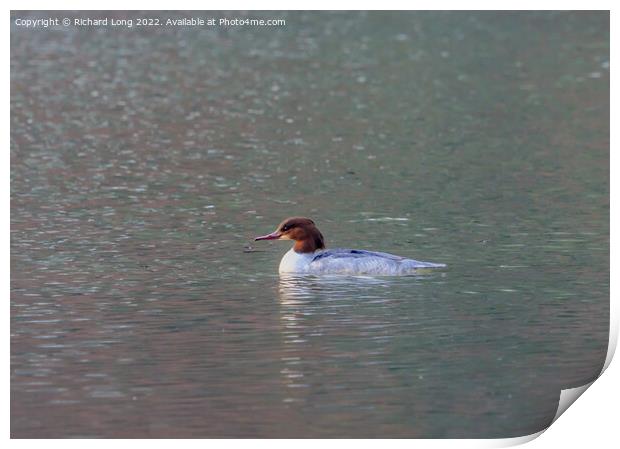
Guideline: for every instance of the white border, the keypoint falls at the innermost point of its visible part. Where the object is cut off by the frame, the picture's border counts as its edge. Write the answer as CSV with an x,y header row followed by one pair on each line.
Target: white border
x,y
590,422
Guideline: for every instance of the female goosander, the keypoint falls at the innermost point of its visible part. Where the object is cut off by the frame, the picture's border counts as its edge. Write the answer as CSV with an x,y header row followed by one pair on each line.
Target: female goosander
x,y
309,255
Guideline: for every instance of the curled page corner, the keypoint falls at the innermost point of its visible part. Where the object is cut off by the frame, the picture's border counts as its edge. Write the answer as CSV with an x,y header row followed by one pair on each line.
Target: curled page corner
x,y
568,397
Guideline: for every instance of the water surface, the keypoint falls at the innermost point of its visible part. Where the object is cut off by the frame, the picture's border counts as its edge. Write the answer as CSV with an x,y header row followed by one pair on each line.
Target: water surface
x,y
144,161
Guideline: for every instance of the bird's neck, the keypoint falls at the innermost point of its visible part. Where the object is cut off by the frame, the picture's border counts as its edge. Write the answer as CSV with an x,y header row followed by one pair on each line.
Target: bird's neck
x,y
312,241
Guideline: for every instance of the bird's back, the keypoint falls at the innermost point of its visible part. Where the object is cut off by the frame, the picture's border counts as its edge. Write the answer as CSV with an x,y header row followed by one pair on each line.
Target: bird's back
x,y
362,262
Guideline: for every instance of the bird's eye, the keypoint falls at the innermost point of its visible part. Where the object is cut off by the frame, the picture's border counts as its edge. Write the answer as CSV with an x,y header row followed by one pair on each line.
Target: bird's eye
x,y
286,228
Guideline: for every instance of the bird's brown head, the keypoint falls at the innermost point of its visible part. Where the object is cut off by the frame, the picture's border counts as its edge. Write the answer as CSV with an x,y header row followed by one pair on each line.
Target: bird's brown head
x,y
302,230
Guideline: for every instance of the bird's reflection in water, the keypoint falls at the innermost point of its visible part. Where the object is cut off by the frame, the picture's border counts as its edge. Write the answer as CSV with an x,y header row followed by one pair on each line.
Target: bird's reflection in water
x,y
317,314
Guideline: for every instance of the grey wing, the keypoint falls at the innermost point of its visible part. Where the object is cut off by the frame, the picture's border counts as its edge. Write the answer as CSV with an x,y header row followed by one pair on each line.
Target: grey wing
x,y
355,261
354,253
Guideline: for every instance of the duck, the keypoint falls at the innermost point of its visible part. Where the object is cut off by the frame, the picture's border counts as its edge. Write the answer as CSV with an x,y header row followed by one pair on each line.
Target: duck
x,y
310,256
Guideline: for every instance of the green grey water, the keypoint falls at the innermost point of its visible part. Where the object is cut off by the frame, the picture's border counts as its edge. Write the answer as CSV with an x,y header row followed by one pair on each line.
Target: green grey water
x,y
143,161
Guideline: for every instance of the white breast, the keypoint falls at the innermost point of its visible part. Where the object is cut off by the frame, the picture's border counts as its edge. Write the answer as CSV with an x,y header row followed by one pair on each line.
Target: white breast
x,y
294,262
